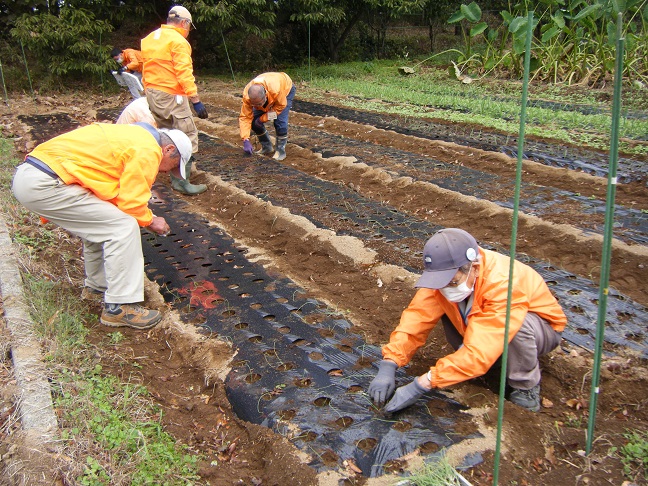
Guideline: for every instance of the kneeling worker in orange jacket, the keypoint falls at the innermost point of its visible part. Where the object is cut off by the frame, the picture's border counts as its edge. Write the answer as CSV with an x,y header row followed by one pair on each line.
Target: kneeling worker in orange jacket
x,y
465,287
95,182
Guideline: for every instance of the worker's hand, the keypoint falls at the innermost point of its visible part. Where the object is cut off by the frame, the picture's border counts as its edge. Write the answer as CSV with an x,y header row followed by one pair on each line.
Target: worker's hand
x,y
121,69
257,125
384,383
405,396
159,226
247,147
200,109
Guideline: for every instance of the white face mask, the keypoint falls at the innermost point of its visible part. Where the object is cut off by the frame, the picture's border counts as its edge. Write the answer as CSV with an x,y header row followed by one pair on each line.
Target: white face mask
x,y
458,293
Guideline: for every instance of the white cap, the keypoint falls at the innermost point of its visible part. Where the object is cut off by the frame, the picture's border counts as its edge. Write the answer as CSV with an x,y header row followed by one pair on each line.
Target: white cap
x,y
183,144
179,12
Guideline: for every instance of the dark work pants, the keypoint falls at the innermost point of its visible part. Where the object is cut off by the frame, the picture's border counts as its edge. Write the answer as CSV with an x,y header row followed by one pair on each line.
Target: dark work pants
x,y
534,339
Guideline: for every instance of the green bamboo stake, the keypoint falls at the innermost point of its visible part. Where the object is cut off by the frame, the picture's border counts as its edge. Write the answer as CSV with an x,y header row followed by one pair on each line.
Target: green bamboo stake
x,y
101,71
4,86
27,69
310,76
228,58
516,205
607,237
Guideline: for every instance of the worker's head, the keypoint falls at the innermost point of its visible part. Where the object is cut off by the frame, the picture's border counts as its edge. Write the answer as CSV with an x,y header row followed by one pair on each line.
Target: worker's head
x,y
180,17
450,259
117,55
176,150
257,95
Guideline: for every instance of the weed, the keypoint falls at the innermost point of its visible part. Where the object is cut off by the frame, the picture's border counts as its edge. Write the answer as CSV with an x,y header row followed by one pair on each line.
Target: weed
x,y
439,473
634,455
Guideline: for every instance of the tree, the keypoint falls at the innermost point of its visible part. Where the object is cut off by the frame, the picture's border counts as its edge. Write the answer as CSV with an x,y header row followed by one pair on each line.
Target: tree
x,y
336,19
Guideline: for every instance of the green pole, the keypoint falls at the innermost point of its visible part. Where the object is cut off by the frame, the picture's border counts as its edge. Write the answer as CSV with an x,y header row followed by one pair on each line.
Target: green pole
x,y
228,58
516,205
310,77
101,71
4,86
27,69
607,236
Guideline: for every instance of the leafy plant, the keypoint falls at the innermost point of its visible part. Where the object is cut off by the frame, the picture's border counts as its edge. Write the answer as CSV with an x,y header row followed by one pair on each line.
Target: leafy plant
x,y
634,455
67,44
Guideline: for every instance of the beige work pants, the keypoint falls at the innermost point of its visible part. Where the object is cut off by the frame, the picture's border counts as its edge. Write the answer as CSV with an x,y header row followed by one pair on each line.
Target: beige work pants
x,y
112,243
168,113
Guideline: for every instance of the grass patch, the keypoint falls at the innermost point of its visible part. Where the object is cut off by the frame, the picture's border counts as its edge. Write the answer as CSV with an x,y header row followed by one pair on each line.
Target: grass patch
x,y
494,104
440,473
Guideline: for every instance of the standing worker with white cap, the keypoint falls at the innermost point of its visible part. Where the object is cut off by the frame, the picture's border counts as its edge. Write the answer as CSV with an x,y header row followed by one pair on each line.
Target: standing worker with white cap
x,y
465,287
170,84
95,182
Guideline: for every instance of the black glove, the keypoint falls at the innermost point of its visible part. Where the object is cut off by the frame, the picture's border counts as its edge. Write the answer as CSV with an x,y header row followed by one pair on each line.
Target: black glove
x,y
258,126
405,396
384,383
121,69
200,109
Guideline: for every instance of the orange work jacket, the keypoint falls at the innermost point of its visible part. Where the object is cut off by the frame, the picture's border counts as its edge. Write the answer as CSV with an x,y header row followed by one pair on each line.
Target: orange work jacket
x,y
483,331
118,163
167,62
277,87
132,60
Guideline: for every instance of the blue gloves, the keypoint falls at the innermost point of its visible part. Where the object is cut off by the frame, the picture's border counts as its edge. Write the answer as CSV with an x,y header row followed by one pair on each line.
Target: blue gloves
x,y
384,383
200,109
258,126
121,69
405,396
247,147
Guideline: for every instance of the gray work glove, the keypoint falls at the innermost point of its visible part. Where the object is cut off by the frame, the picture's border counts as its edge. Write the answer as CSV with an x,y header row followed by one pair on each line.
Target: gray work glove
x,y
405,396
384,383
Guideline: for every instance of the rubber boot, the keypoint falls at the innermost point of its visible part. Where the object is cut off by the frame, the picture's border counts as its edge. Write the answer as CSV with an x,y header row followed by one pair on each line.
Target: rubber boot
x,y
184,186
266,144
280,150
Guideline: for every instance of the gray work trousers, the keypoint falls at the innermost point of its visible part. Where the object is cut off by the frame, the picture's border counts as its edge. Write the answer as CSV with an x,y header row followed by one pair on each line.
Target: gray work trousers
x,y
112,243
535,338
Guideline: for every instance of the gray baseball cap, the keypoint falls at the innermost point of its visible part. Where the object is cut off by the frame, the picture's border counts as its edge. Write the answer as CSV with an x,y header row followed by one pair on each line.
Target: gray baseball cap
x,y
443,254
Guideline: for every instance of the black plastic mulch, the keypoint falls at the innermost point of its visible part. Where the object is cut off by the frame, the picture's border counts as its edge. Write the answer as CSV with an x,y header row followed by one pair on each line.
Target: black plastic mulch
x,y
398,237
299,368
589,161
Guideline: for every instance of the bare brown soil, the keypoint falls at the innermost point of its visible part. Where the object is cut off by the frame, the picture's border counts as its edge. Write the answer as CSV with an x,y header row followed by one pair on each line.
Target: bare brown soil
x,y
184,371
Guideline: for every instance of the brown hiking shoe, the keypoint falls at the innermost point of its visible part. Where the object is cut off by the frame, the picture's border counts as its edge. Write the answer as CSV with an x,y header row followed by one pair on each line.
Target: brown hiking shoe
x,y
130,315
93,295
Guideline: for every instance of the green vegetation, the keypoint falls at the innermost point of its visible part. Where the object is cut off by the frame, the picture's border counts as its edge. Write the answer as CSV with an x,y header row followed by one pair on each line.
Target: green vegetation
x,y
494,104
439,473
110,430
634,455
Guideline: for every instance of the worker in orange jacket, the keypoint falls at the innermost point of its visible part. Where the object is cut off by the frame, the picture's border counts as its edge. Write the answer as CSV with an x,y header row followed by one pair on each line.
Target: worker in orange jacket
x,y
170,84
465,287
95,182
129,60
268,97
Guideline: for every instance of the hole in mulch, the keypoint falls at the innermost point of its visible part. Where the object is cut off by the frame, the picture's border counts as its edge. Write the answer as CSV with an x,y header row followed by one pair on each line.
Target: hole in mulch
x,y
366,444
241,325
429,447
344,422
315,356
303,382
402,426
322,401
252,378
286,414
286,367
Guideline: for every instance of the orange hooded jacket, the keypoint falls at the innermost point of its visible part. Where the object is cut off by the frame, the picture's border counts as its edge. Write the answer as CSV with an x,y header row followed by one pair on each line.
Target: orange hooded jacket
x,y
483,332
277,87
167,62
118,163
132,60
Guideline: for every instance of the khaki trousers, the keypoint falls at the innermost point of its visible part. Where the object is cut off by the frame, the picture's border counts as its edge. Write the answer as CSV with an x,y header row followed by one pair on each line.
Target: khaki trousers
x,y
112,244
535,338
168,113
